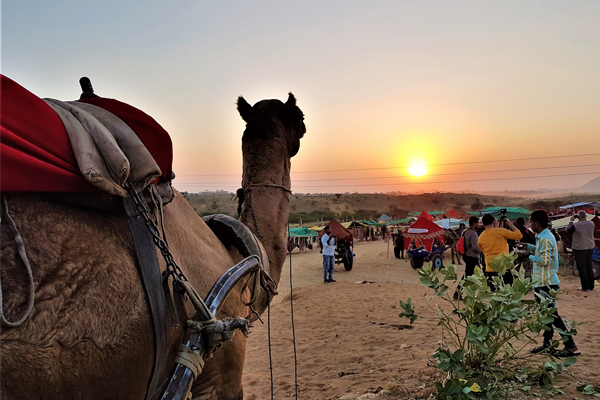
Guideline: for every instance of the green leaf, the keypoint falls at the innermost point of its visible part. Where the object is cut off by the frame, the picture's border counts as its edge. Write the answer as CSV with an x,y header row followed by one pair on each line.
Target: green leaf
x,y
526,388
498,375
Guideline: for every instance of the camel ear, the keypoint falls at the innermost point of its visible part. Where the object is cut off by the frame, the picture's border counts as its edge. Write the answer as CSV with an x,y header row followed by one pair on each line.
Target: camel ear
x,y
244,109
291,101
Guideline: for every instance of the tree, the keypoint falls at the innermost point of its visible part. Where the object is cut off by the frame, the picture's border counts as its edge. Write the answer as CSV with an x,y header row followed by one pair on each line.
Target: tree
x,y
476,204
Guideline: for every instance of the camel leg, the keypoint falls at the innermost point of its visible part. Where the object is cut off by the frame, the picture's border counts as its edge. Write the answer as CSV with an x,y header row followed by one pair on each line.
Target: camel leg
x,y
222,375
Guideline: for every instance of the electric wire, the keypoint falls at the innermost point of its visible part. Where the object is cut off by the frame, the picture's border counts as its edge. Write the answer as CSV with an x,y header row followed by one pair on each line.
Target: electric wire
x,y
407,183
432,165
456,181
450,173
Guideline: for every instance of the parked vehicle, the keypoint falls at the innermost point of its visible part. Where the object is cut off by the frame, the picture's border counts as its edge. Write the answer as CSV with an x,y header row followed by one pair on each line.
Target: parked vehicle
x,y
344,254
420,255
425,242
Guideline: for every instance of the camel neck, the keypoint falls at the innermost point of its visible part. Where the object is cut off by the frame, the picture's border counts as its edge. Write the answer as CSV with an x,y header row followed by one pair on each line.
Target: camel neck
x,y
266,212
267,186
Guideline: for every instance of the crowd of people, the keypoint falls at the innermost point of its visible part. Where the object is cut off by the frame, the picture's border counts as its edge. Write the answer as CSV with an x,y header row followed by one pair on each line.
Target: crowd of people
x,y
537,244
485,239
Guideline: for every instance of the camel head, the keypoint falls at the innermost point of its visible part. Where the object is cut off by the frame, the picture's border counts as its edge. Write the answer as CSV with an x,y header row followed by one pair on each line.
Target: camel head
x,y
270,118
271,138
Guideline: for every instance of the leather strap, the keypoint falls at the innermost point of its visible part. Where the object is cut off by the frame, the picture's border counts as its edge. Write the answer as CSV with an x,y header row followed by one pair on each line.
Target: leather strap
x,y
153,286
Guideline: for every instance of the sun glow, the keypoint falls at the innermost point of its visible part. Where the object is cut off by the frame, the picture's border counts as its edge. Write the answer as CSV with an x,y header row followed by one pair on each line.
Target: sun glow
x,y
417,169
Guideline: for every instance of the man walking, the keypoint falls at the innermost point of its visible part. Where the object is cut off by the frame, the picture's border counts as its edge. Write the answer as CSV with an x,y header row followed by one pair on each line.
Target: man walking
x,y
472,251
493,242
328,241
583,247
545,267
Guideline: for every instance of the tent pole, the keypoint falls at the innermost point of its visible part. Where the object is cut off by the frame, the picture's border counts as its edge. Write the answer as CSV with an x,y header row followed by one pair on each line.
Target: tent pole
x,y
388,250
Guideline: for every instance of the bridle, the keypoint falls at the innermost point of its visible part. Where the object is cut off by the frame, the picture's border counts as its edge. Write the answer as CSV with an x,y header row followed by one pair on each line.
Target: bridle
x,y
285,188
246,189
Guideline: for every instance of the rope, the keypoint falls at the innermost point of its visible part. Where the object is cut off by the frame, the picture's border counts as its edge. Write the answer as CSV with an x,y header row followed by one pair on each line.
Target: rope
x,y
190,359
246,194
293,327
23,254
269,338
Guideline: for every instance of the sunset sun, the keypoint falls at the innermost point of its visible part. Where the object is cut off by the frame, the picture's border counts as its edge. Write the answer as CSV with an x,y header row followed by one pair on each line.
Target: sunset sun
x,y
417,169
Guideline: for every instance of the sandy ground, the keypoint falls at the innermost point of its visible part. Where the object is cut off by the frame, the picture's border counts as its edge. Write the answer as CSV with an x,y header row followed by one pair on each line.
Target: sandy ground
x,y
350,342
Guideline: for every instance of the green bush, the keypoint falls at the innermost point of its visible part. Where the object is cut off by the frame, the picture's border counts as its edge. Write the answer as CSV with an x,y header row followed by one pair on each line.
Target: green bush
x,y
484,335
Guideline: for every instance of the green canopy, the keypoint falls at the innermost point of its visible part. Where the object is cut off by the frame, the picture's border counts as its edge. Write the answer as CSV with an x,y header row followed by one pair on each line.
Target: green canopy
x,y
477,213
371,223
512,213
428,212
302,232
400,221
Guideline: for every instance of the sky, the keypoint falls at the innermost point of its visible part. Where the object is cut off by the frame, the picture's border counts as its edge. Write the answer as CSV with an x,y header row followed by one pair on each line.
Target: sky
x,y
460,89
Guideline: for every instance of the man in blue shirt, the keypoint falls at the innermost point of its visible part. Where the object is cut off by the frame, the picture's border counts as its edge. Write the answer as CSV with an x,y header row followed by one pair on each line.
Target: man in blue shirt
x,y
545,267
328,241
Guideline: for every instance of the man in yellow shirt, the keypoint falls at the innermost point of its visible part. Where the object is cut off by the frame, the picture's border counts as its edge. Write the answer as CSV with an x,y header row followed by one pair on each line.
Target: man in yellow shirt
x,y
493,242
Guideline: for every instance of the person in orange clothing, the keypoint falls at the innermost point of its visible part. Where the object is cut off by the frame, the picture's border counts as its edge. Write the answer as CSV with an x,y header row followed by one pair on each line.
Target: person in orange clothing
x,y
493,242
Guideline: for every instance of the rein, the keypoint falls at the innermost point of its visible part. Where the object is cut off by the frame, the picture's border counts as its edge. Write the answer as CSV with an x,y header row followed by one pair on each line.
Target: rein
x,y
285,188
23,255
244,195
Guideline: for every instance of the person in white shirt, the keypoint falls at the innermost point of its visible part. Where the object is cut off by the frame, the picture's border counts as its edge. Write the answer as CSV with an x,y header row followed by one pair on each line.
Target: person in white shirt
x,y
328,241
446,223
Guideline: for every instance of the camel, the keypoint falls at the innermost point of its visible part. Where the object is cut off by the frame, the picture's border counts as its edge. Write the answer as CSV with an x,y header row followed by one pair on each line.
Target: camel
x,y
90,334
451,239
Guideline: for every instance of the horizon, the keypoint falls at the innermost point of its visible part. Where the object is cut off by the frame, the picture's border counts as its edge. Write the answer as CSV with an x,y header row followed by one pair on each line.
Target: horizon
x,y
495,96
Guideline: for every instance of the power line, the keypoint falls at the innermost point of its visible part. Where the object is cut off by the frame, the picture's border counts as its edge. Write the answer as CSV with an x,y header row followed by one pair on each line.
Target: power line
x,y
447,174
432,175
465,180
433,165
409,183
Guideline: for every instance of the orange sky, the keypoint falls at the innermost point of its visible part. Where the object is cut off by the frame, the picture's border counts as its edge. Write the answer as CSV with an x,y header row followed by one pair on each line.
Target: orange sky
x,y
380,83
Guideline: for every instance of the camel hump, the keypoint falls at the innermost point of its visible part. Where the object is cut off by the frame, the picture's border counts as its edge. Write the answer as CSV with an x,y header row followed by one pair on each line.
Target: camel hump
x,y
232,232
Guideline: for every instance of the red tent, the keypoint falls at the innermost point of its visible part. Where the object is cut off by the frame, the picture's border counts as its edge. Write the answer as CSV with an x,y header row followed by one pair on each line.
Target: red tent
x,y
425,215
338,231
452,214
424,230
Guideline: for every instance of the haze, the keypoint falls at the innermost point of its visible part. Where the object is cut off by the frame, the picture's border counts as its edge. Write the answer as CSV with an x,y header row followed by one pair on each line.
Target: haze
x,y
382,84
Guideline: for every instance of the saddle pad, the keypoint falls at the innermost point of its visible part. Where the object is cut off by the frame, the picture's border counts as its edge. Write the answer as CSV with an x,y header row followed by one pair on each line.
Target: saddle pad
x,y
36,153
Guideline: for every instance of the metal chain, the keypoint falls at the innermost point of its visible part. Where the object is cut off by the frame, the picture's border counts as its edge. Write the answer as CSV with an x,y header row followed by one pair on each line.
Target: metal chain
x,y
172,267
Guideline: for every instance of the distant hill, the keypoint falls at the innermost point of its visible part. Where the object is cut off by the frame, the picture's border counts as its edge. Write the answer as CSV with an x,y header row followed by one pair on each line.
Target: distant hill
x,y
592,186
311,208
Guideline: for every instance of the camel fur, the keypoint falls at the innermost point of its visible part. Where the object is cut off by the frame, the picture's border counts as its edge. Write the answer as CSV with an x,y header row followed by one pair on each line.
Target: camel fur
x,y
90,334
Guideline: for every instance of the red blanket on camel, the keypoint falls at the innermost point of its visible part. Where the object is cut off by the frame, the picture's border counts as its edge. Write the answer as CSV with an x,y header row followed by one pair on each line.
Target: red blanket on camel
x,y
35,154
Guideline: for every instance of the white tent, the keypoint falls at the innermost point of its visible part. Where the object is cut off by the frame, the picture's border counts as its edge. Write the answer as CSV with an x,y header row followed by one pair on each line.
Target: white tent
x,y
581,203
564,222
454,222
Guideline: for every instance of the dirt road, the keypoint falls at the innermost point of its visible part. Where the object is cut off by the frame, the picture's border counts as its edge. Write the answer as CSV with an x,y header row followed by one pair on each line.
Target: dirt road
x,y
350,341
